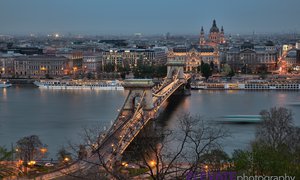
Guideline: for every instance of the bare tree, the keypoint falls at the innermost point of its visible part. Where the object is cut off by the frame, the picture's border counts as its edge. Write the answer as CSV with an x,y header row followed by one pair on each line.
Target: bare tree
x,y
30,148
150,151
165,153
294,141
172,154
87,152
203,138
276,128
276,148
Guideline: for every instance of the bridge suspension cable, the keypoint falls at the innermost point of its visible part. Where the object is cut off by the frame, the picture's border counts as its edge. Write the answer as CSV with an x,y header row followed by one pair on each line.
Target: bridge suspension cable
x,y
164,85
131,122
117,125
124,130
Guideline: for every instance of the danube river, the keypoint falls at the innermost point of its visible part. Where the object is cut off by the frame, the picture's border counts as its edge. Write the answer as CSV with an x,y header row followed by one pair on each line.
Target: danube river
x,y
59,116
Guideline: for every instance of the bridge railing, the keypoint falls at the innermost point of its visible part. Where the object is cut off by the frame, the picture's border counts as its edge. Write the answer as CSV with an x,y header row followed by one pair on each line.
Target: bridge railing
x,y
125,124
161,98
114,126
136,124
132,131
131,123
121,125
137,121
140,105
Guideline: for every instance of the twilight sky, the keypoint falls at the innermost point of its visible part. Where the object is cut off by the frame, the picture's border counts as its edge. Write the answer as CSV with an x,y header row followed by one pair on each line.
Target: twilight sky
x,y
120,17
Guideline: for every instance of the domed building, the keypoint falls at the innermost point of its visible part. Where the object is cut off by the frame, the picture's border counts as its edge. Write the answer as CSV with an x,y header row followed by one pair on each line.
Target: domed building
x,y
215,36
207,51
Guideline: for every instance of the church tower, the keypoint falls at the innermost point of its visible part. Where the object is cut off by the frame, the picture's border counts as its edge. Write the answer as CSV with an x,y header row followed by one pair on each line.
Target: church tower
x,y
222,36
214,35
202,37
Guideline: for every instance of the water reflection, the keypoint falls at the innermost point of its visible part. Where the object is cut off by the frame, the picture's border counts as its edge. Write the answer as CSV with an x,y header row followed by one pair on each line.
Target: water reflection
x,y
282,99
4,94
56,116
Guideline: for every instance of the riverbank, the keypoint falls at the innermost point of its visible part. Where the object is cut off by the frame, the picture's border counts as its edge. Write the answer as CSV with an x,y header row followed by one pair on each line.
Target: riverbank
x,y
20,81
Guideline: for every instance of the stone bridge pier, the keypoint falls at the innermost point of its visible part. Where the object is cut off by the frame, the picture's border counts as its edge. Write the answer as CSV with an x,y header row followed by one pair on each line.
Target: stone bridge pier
x,y
140,95
176,71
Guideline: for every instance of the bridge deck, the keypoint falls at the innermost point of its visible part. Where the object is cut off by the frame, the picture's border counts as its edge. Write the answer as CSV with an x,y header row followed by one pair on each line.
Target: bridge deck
x,y
122,132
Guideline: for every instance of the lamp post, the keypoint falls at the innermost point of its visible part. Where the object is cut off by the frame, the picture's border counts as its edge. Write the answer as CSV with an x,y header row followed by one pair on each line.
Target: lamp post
x,y
66,159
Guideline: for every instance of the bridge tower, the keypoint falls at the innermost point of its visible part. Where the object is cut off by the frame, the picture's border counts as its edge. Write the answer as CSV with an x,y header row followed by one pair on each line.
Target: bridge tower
x,y
140,95
175,70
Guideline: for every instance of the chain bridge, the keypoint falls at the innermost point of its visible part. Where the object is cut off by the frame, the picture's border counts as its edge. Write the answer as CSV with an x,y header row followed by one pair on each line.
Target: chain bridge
x,y
142,104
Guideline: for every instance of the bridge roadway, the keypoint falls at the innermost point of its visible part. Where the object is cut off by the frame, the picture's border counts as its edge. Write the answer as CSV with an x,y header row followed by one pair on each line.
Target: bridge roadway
x,y
121,133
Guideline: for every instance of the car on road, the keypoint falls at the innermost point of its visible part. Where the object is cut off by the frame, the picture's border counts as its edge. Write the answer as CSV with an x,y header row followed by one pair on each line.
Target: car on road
x,y
49,165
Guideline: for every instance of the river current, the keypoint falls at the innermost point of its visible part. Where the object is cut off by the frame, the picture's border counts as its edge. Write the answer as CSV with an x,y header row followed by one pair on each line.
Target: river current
x,y
58,116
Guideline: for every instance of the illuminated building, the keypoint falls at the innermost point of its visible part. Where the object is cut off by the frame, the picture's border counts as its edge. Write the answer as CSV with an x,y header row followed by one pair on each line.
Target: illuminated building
x,y
202,37
250,58
215,37
92,62
291,58
7,61
39,66
207,51
193,56
75,61
134,57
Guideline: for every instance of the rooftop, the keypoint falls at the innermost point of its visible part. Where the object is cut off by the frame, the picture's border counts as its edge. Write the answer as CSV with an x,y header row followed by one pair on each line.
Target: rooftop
x,y
214,27
41,58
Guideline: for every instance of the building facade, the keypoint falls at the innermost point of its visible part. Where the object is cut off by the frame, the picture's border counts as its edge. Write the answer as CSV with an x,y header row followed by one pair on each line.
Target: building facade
x,y
133,57
291,58
249,58
40,66
92,62
207,51
7,61
193,56
75,60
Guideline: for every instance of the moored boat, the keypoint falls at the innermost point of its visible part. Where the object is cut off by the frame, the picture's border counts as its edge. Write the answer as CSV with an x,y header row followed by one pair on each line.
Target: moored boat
x,y
250,85
79,84
198,87
5,84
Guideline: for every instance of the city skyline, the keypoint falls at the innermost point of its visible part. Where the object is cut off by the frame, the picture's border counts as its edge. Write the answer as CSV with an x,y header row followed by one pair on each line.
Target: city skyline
x,y
153,17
